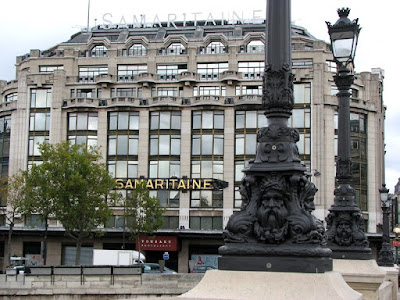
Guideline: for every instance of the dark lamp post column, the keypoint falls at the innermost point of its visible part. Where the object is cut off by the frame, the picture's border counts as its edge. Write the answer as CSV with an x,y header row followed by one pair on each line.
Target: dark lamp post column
x,y
275,230
345,224
385,255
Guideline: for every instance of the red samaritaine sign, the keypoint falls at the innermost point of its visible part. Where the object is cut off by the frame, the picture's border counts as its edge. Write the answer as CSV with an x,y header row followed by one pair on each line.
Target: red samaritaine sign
x,y
158,243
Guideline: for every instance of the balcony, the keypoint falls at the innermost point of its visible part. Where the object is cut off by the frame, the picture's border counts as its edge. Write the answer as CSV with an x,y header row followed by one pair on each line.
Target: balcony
x,y
230,76
104,79
146,79
187,77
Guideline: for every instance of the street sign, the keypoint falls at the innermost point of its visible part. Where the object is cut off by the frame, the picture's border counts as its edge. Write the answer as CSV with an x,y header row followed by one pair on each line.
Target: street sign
x,y
166,256
396,243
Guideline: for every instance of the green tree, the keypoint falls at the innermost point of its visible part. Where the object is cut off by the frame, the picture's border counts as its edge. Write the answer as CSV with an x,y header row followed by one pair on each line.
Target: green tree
x,y
12,197
143,213
71,186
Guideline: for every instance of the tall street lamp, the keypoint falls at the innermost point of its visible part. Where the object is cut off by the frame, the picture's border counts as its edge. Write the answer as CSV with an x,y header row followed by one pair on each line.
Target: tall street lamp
x,y
345,225
275,229
385,256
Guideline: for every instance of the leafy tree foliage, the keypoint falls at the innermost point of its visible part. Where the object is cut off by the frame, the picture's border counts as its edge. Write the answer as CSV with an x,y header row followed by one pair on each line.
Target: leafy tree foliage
x,y
71,186
12,197
143,213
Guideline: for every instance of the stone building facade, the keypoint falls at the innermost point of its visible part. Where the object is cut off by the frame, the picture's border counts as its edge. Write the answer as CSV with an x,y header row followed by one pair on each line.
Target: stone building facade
x,y
181,103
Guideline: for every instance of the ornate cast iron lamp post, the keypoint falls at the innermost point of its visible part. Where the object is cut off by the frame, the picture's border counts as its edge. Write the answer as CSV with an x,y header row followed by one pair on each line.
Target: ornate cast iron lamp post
x,y
345,225
275,230
385,256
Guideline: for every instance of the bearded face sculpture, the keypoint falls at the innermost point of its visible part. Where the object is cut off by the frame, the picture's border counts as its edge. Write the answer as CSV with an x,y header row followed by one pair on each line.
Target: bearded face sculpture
x,y
271,225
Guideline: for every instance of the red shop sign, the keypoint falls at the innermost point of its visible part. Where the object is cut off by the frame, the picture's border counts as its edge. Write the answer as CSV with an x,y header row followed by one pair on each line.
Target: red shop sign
x,y
158,243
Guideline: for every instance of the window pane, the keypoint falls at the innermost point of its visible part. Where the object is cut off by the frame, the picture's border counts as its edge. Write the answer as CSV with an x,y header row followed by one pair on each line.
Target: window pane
x,y
123,119
122,145
164,144
163,170
251,119
133,145
165,121
251,143
154,145
121,171
82,122
207,122
206,144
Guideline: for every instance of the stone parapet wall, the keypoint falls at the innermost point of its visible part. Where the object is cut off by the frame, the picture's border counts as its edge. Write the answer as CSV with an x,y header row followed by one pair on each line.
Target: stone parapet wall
x,y
96,286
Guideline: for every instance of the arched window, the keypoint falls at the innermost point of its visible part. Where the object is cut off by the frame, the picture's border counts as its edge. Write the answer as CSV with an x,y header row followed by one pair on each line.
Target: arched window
x,y
214,48
255,47
137,50
176,49
98,51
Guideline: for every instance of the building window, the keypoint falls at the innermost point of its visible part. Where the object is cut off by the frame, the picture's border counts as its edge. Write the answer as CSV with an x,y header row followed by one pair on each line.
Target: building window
x,y
82,128
248,90
34,221
123,169
82,121
170,72
88,74
34,142
115,222
5,124
123,144
165,120
209,91
167,92
39,121
170,222
5,129
123,121
334,90
332,67
136,50
165,144
174,49
99,51
166,198
205,199
164,169
250,120
208,169
41,98
301,118
302,93
208,120
50,69
238,198
214,48
208,144
302,63
304,144
11,97
211,71
255,47
127,73
124,92
84,93
253,70
205,223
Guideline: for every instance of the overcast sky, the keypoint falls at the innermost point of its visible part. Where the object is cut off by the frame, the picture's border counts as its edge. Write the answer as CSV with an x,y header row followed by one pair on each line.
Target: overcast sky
x,y
41,24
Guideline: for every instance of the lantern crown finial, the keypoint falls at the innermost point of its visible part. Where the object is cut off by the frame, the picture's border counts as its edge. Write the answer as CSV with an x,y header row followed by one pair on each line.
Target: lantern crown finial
x,y
343,12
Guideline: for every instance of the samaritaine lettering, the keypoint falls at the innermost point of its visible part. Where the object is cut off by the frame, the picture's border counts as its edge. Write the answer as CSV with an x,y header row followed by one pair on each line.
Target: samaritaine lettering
x,y
166,183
